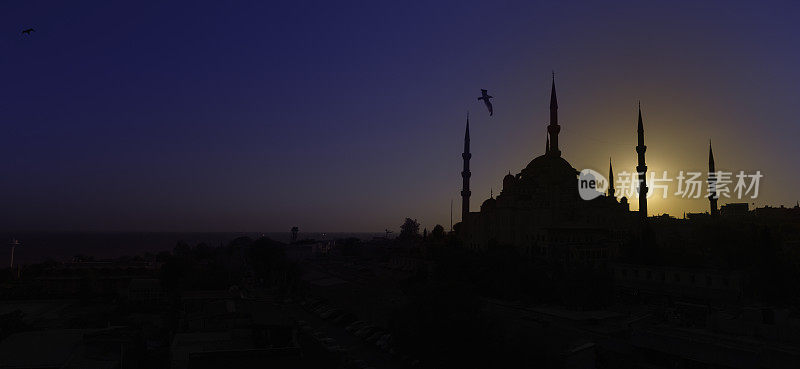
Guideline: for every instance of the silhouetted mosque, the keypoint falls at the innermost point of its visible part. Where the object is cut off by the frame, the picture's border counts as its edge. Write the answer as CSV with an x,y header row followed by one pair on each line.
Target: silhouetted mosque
x,y
540,211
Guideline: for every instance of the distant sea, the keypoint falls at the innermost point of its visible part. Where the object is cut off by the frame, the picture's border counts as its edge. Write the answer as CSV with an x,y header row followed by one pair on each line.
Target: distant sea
x,y
62,246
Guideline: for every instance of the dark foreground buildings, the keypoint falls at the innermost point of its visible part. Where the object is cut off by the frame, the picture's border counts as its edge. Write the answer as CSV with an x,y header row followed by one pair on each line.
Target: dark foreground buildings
x,y
538,277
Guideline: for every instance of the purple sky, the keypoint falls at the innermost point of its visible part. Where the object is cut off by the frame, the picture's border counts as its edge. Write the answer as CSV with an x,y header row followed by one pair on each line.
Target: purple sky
x,y
336,116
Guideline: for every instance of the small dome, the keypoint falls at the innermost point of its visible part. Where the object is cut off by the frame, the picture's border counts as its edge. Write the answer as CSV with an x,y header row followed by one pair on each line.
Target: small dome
x,y
623,200
508,181
488,204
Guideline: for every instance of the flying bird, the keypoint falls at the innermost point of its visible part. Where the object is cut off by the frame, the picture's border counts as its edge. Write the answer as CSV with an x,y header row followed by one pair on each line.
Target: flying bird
x,y
28,31
485,97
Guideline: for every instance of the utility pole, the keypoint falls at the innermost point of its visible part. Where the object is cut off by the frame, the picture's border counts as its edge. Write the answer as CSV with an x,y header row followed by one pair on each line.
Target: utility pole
x,y
14,243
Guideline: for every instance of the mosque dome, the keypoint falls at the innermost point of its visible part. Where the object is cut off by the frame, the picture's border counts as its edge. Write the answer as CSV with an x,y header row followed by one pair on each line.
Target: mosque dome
x,y
489,204
551,165
508,181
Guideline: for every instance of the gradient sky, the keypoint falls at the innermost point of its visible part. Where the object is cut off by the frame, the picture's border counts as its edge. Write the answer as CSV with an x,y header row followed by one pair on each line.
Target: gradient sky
x,y
339,116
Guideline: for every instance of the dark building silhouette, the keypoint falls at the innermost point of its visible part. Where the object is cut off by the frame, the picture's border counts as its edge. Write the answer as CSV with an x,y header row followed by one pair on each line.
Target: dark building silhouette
x,y
735,209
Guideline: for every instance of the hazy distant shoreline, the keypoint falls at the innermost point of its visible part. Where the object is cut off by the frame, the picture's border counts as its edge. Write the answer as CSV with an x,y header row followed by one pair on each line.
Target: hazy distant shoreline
x,y
42,245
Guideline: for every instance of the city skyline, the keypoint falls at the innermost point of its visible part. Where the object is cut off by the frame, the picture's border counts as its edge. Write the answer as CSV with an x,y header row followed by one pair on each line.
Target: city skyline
x,y
428,185
175,127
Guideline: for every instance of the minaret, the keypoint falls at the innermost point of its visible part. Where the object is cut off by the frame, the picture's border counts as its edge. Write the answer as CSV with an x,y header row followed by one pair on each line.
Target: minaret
x,y
642,168
465,174
611,189
451,215
712,181
547,146
553,128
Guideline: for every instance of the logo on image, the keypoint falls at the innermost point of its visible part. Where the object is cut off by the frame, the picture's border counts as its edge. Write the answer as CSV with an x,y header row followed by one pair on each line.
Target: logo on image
x,y
591,184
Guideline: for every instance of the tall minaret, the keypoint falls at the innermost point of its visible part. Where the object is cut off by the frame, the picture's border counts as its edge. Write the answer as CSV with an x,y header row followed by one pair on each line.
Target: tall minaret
x,y
712,181
611,189
553,128
465,174
642,168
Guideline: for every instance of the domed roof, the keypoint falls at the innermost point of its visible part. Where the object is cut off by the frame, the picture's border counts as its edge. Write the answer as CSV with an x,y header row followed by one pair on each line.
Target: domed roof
x,y
551,174
508,181
550,163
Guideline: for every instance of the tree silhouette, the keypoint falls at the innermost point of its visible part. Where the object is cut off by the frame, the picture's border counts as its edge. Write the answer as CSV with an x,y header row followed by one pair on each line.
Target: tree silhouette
x,y
409,230
437,234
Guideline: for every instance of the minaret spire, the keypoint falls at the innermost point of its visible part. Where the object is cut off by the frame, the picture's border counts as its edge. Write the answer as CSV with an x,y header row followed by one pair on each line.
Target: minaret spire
x,y
553,128
465,174
640,128
710,157
611,189
712,182
641,168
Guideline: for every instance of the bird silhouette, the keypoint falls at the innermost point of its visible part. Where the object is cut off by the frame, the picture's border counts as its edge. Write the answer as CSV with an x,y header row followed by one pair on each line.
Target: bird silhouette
x,y
28,31
485,97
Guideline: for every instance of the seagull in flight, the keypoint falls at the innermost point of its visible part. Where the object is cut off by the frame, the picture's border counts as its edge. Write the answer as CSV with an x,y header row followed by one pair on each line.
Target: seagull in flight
x,y
485,97
28,31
